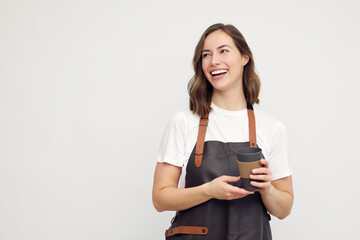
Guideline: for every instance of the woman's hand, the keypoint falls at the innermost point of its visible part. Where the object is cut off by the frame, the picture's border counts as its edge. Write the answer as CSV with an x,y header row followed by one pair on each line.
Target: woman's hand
x,y
220,188
263,174
276,195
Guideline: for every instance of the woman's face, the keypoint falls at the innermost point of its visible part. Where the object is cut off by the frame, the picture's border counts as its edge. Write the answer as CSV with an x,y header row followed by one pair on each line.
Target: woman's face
x,y
222,62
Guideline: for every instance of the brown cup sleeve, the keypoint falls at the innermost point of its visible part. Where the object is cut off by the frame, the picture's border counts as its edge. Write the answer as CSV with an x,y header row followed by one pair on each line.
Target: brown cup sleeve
x,y
246,167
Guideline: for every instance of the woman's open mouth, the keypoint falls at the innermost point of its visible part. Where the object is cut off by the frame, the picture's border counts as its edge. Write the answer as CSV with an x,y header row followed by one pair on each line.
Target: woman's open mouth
x,y
218,74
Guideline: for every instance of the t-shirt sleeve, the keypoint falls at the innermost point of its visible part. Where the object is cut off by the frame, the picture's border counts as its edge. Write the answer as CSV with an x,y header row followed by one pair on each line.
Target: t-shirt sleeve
x,y
278,157
173,143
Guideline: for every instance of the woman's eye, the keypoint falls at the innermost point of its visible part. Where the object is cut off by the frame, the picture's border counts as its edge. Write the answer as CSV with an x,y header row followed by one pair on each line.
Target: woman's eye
x,y
224,50
205,55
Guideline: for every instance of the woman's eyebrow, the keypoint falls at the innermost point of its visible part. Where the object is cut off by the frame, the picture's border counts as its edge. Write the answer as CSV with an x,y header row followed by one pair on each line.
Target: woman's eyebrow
x,y
223,46
207,50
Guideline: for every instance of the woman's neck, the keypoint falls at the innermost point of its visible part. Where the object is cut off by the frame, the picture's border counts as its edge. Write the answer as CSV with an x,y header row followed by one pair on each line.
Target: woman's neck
x,y
231,101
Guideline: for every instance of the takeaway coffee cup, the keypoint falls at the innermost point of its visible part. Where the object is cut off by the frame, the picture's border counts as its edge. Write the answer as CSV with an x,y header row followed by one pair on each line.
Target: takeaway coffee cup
x,y
248,159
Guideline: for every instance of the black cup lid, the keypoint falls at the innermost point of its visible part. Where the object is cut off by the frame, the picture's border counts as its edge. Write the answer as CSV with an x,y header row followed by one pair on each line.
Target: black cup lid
x,y
249,154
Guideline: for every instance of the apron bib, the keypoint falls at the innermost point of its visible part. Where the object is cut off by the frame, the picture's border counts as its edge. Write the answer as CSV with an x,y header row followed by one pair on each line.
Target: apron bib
x,y
240,219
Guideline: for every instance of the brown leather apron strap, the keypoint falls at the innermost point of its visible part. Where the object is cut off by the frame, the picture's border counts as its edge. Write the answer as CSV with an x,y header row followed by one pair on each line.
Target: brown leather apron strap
x,y
199,151
252,126
186,230
246,167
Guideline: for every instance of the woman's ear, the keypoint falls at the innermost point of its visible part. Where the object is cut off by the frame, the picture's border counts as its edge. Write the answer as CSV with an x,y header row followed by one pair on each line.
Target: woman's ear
x,y
245,59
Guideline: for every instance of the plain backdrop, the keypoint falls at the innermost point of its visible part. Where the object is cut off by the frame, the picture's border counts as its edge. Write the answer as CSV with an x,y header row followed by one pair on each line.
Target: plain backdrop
x,y
87,88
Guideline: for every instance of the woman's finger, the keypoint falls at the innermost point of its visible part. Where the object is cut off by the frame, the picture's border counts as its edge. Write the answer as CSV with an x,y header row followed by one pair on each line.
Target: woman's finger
x,y
236,193
264,162
260,184
225,178
261,171
261,177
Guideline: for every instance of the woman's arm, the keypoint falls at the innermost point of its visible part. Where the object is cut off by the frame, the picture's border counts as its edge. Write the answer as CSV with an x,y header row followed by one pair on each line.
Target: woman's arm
x,y
167,196
278,196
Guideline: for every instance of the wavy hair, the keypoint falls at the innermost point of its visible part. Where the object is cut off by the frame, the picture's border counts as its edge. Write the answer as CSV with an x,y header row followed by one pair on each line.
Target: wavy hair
x,y
199,88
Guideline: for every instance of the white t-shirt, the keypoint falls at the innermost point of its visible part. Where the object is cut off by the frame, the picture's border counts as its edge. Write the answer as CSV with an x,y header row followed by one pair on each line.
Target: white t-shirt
x,y
225,126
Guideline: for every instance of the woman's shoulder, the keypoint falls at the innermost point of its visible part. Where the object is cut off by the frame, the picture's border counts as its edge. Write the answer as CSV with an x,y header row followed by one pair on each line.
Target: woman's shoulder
x,y
267,122
184,118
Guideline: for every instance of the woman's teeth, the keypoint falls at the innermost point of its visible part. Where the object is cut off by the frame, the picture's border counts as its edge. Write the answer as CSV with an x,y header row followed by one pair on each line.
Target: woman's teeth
x,y
218,72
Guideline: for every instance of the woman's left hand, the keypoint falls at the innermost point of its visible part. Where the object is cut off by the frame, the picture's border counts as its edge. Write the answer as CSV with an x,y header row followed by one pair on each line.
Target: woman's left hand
x,y
263,174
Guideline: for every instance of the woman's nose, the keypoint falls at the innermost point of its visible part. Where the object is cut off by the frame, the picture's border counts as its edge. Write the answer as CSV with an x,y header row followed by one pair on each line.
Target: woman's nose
x,y
215,60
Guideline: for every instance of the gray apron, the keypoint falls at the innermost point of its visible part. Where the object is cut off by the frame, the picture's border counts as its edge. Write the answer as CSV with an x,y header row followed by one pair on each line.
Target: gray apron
x,y
240,219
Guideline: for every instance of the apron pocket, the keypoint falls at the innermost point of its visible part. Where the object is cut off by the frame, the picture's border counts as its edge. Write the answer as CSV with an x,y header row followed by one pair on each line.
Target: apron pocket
x,y
186,230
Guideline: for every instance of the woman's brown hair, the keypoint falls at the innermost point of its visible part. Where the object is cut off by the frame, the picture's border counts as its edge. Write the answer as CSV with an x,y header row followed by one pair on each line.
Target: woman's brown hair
x,y
199,88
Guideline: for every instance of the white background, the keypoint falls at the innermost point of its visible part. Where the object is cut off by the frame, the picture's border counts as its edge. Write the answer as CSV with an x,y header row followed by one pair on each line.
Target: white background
x,y
87,88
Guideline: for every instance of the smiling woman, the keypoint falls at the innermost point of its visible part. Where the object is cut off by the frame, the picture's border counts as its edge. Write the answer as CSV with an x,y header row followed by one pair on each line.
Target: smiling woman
x,y
223,65
228,46
197,172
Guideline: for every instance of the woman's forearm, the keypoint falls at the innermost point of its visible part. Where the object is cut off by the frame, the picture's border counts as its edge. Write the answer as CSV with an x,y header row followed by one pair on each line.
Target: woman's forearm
x,y
166,194
277,202
177,199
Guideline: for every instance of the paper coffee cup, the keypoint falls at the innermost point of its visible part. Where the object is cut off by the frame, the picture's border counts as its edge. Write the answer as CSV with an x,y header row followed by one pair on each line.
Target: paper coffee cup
x,y
248,159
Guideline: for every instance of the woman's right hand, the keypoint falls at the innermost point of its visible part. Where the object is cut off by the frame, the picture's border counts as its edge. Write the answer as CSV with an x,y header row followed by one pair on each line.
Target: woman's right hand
x,y
220,188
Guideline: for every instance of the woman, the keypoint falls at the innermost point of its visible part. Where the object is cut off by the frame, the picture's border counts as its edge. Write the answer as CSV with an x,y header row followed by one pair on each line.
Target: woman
x,y
197,173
